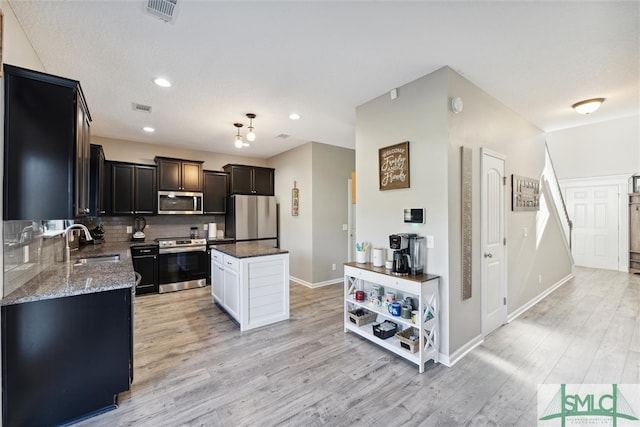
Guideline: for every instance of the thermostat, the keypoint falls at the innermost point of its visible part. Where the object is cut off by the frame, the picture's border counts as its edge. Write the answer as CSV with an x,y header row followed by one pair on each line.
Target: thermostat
x,y
414,215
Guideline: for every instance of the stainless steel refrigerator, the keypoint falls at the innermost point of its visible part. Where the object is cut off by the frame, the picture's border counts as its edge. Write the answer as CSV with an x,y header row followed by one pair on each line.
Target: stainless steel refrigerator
x,y
252,218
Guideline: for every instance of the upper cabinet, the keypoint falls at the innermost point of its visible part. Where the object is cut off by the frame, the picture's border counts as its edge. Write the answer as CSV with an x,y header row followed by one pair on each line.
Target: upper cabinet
x,y
46,146
179,175
133,189
250,180
96,181
215,192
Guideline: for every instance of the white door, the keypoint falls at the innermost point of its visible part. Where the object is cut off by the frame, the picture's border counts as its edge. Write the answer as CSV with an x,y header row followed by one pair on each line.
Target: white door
x,y
351,223
594,212
492,226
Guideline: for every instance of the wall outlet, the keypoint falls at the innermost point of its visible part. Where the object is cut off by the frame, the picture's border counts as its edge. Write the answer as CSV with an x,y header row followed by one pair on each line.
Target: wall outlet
x,y
205,226
129,229
333,267
525,232
345,227
430,242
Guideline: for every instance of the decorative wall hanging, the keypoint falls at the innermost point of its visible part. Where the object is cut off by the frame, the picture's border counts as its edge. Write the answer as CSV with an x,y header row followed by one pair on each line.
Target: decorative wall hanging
x,y
466,220
525,193
294,200
393,164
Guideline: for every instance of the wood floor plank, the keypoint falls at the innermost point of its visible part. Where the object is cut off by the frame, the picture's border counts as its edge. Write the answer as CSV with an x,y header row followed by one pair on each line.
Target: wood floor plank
x,y
193,367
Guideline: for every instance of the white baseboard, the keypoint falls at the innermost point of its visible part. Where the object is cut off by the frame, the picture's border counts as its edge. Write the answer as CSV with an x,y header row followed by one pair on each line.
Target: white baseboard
x,y
511,317
455,357
318,284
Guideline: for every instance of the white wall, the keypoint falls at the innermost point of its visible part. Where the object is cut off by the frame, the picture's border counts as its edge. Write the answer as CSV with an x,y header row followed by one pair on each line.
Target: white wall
x,y
601,149
17,49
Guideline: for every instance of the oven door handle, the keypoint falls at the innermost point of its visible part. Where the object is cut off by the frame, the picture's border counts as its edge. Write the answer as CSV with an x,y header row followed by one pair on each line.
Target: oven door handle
x,y
183,249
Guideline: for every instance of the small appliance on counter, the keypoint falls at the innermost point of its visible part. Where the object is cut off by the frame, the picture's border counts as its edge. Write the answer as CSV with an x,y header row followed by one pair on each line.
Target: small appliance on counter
x,y
408,253
138,234
98,234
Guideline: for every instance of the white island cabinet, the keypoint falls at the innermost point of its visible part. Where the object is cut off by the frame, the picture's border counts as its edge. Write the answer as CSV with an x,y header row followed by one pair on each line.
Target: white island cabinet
x,y
251,283
422,289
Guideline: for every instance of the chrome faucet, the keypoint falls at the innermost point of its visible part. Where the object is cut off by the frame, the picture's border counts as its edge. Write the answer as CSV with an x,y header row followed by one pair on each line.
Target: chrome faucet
x,y
87,236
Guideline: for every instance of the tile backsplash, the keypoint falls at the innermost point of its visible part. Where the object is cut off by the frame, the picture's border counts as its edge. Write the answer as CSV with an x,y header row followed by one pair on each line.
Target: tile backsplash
x,y
31,246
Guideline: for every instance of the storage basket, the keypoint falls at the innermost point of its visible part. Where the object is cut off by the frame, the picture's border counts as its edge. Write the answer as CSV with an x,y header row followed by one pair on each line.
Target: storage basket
x,y
405,342
361,316
385,330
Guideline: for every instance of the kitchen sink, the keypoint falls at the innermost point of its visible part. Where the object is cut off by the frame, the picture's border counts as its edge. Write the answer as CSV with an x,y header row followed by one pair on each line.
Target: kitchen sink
x,y
97,259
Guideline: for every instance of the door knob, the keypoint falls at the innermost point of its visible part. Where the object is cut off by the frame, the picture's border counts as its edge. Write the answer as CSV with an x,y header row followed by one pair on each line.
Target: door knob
x,y
488,255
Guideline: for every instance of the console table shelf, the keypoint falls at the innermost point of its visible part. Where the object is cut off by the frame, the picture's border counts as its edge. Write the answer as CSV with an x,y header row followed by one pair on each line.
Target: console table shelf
x,y
422,287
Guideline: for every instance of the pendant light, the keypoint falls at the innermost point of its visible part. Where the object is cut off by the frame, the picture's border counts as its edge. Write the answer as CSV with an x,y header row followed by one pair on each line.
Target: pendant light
x,y
251,135
238,142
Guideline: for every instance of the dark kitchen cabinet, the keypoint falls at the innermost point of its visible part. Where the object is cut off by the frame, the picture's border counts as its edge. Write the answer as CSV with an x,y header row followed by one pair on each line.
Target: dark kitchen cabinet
x,y
215,192
179,175
96,181
145,263
46,146
250,180
64,359
133,189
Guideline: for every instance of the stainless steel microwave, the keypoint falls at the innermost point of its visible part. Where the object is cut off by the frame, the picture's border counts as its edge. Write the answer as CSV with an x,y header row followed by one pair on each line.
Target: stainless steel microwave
x,y
179,203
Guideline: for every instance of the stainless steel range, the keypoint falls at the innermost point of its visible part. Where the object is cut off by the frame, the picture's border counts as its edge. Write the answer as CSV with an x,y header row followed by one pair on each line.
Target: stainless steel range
x,y
182,263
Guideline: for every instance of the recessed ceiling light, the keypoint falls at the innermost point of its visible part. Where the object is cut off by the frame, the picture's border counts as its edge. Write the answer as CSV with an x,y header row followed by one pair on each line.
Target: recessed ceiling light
x,y
162,82
148,129
294,116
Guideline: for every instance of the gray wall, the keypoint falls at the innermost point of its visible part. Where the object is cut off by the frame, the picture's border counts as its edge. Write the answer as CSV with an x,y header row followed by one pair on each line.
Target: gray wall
x,y
422,116
314,238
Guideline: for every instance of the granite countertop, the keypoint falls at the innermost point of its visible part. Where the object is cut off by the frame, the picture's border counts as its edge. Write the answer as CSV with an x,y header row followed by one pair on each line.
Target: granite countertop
x,y
248,250
63,279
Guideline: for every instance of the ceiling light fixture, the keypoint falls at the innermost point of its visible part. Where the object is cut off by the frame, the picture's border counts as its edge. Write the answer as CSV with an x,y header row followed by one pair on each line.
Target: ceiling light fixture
x,y
238,142
251,135
162,82
294,116
148,129
588,106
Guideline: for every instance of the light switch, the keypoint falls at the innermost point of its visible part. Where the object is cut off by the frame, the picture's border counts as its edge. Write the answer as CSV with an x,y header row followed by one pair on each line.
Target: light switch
x,y
345,227
525,231
129,229
430,242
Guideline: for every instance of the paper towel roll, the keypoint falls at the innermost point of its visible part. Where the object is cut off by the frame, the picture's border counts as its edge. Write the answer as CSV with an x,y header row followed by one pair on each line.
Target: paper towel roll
x,y
212,230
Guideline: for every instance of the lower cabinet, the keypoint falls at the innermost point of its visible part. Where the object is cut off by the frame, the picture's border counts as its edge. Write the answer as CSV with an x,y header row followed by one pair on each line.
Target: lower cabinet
x,y
65,359
254,291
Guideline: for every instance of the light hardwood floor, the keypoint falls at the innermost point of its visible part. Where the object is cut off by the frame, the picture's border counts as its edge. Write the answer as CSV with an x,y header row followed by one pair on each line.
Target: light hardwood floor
x,y
193,367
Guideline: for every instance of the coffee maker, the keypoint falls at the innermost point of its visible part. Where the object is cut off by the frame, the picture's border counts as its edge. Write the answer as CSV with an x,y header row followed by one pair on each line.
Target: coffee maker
x,y
401,260
409,253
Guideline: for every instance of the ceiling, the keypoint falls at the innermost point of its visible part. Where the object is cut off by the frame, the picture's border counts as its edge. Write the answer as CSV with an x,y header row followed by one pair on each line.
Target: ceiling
x,y
324,58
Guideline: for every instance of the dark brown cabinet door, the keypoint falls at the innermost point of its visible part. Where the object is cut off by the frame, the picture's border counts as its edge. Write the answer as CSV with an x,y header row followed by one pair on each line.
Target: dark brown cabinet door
x,y
170,172
179,175
145,194
42,130
133,189
215,192
122,181
96,181
191,176
263,181
250,180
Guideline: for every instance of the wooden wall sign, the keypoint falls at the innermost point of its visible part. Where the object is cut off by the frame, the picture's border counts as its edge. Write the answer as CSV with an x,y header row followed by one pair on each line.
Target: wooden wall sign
x,y
466,181
393,163
525,193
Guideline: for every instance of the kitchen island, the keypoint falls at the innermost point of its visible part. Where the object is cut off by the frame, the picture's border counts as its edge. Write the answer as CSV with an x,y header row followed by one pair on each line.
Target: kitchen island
x,y
67,339
250,282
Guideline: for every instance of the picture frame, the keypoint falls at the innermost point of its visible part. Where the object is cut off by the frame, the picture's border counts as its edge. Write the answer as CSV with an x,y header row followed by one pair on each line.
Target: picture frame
x,y
393,167
525,193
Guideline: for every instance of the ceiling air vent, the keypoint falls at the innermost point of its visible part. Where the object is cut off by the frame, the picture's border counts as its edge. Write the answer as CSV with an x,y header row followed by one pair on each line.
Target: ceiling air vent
x,y
142,107
283,136
163,9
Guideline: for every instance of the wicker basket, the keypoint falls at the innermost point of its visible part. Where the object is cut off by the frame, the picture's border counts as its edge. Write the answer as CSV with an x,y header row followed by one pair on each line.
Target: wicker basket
x,y
405,342
363,319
